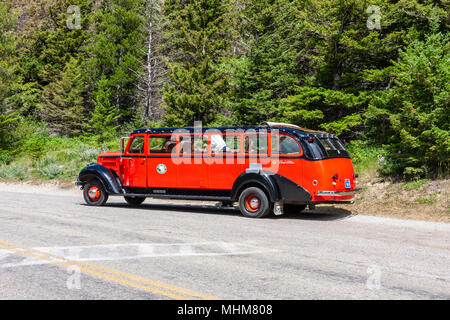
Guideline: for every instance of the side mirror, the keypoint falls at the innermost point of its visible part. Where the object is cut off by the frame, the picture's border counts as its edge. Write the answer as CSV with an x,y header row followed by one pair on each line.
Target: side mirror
x,y
122,145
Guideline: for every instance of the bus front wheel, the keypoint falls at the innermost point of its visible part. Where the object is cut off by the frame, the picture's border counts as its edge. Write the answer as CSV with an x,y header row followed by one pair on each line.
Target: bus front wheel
x,y
254,203
94,193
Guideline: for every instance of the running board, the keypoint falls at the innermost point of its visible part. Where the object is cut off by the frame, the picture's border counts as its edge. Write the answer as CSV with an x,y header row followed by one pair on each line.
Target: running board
x,y
173,196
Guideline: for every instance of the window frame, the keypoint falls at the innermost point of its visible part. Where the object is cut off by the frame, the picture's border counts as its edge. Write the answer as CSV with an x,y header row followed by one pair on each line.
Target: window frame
x,y
272,135
145,146
156,136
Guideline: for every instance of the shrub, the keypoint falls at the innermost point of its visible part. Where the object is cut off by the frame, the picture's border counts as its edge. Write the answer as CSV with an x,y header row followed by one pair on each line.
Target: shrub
x,y
417,110
14,172
51,171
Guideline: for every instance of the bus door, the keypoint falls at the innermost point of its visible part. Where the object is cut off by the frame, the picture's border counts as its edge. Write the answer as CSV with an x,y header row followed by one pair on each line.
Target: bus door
x,y
285,157
256,150
161,170
226,160
192,171
134,163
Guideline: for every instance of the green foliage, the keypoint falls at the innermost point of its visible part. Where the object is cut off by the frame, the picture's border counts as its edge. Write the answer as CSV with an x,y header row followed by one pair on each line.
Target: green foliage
x,y
366,157
196,42
417,108
14,172
429,200
415,184
114,54
66,94
34,146
104,118
63,99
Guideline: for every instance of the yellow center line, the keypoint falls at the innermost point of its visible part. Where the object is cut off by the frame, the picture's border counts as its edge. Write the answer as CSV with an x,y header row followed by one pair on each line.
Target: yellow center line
x,y
88,269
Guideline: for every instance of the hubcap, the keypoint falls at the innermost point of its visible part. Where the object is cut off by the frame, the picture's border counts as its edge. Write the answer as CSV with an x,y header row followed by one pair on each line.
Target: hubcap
x,y
252,203
94,193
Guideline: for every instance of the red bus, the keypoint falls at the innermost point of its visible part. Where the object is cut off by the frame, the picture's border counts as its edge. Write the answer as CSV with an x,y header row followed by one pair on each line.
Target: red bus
x,y
269,168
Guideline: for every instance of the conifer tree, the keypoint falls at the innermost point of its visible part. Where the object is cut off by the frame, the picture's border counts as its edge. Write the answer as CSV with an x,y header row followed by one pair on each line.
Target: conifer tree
x,y
197,41
104,118
116,51
63,104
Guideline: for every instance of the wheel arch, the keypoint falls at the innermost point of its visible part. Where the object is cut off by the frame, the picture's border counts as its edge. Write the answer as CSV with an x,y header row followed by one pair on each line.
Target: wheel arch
x,y
255,179
102,174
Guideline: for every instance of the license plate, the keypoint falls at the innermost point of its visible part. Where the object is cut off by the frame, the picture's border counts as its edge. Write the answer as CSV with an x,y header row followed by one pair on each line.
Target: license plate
x,y
347,184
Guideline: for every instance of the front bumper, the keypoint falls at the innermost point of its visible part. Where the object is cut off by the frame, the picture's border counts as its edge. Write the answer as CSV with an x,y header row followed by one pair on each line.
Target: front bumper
x,y
80,183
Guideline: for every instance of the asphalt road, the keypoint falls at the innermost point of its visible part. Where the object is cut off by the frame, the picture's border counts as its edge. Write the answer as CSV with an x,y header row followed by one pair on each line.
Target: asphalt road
x,y
53,246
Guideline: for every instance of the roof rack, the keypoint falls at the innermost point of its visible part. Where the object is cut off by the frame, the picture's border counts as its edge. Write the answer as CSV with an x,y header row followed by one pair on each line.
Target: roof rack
x,y
286,125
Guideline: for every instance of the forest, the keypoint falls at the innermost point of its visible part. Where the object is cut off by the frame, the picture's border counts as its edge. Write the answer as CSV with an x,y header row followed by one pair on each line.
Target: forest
x,y
76,75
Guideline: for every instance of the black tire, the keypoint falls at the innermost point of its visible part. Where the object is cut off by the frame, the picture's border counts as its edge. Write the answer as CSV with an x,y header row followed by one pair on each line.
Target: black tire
x,y
97,200
262,206
134,201
293,208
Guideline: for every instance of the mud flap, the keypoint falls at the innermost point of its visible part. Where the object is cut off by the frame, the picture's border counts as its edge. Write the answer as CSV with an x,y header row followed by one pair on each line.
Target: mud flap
x,y
277,209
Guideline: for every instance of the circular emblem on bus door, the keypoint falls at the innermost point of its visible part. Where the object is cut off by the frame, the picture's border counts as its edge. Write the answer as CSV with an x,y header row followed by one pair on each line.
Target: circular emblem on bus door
x,y
161,168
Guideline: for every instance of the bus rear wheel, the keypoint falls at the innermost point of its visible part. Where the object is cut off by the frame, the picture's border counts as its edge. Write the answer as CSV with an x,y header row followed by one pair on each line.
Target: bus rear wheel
x,y
94,194
134,201
254,203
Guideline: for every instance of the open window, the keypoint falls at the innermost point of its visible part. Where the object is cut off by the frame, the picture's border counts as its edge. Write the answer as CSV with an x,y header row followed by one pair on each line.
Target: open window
x,y
162,144
255,144
284,144
137,145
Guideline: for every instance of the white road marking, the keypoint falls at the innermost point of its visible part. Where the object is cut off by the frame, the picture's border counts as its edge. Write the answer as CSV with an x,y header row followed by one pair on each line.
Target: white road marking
x,y
8,259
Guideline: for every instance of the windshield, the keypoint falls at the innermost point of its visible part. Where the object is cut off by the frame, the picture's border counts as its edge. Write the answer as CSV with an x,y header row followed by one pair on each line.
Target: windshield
x,y
325,147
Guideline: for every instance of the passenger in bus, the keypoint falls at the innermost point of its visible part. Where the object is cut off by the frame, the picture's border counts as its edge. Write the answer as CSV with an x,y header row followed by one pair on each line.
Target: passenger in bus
x,y
218,145
169,146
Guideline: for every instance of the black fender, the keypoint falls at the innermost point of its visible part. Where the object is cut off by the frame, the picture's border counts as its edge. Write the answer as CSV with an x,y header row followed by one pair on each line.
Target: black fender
x,y
259,179
277,187
290,191
101,173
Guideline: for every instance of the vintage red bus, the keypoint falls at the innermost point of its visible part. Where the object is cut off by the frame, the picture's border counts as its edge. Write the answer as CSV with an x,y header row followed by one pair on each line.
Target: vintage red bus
x,y
269,168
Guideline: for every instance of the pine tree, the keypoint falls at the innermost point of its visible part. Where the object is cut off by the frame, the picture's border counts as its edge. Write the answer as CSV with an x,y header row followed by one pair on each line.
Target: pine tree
x,y
316,63
104,118
8,66
116,51
417,108
63,100
197,41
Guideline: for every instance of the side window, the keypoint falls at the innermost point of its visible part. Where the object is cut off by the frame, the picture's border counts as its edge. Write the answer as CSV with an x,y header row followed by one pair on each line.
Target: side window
x,y
255,143
190,144
137,145
162,144
200,144
282,144
185,145
233,144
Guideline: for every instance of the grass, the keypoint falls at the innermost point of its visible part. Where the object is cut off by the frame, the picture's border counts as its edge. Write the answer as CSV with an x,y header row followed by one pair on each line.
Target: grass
x,y
414,185
425,200
365,158
45,158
